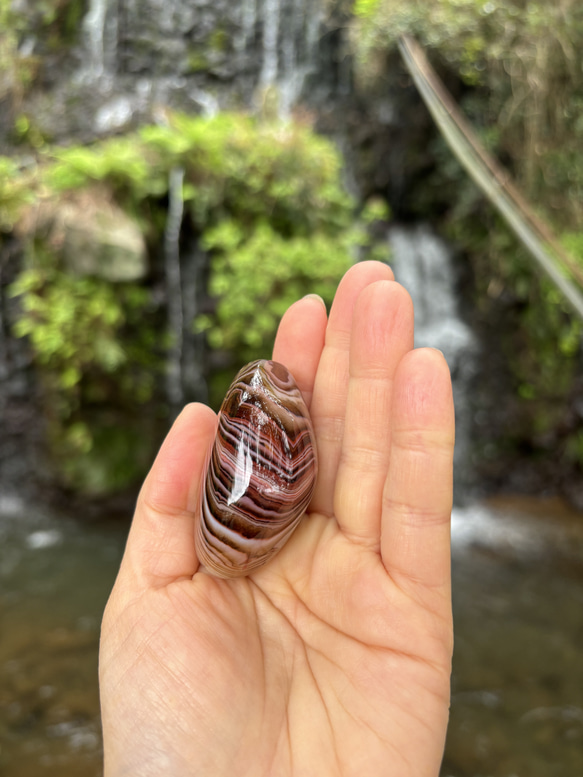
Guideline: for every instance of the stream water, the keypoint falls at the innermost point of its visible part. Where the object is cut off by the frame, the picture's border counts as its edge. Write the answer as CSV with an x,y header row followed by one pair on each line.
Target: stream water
x,y
517,705
55,576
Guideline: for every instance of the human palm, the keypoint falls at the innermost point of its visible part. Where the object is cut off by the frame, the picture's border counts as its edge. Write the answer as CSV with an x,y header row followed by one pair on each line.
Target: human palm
x,y
334,659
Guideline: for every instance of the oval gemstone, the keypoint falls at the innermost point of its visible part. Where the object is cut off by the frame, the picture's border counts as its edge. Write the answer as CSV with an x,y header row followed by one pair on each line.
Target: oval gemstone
x,y
261,472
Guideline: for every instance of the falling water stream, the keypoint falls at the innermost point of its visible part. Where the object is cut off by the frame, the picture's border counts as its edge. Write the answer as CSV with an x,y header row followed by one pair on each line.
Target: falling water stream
x,y
291,37
174,379
270,66
423,263
100,33
276,48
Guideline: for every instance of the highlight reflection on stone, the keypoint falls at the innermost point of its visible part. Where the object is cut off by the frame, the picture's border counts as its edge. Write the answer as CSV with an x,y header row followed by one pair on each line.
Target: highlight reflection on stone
x,y
261,473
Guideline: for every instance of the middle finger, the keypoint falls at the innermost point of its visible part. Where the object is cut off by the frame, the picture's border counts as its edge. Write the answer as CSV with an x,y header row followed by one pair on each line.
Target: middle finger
x,y
328,406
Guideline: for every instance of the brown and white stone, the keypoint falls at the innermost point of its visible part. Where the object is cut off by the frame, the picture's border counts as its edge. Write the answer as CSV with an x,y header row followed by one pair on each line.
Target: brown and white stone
x,y
261,472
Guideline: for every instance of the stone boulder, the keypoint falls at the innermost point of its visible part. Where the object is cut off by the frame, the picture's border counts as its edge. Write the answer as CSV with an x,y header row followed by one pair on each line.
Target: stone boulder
x,y
91,235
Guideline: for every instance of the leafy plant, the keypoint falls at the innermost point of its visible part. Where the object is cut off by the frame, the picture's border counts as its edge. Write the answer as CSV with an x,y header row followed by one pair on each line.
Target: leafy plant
x,y
519,82
265,201
74,327
85,339
256,277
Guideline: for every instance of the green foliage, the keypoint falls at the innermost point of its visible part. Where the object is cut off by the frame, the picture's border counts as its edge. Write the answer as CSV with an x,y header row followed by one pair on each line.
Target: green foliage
x,y
548,364
574,451
544,346
256,276
105,456
27,133
375,209
523,56
235,164
74,326
92,350
573,242
121,162
517,66
70,322
265,200
365,9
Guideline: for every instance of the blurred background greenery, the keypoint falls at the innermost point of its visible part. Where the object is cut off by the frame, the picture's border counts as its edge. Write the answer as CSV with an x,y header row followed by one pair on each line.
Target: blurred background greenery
x,y
171,179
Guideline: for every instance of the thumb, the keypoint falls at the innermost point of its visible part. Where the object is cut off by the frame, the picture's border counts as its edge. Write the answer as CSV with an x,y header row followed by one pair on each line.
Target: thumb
x,y
160,545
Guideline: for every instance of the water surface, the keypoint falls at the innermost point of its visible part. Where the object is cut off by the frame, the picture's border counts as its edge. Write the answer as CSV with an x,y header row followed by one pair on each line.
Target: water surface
x,y
517,689
517,703
55,577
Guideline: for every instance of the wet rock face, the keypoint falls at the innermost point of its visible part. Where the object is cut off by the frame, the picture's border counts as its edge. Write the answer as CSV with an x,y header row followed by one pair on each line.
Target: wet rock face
x,y
128,58
22,428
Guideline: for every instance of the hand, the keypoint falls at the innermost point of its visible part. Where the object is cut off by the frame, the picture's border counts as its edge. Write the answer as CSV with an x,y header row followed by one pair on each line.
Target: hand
x,y
333,659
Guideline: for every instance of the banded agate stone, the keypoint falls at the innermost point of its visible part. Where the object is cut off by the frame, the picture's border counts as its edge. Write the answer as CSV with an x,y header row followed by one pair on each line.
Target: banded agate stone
x,y
261,472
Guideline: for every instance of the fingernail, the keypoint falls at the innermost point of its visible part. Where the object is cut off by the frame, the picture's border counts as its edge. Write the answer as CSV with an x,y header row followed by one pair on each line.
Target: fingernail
x,y
314,296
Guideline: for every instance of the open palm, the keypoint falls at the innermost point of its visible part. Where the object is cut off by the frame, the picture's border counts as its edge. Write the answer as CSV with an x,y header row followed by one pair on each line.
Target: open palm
x,y
334,659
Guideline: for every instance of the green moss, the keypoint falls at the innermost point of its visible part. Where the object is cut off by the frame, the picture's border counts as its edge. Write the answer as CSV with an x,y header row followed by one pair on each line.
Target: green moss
x,y
27,133
218,40
197,61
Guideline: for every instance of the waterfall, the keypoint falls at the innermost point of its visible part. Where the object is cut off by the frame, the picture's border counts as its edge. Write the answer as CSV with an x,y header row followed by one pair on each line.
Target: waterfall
x,y
423,264
300,51
194,344
185,285
174,387
269,68
136,53
100,33
291,36
248,22
94,30
208,103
